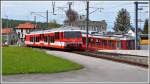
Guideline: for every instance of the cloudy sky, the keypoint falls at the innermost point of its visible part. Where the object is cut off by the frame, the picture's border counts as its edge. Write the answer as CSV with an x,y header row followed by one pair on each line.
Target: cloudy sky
x,y
21,10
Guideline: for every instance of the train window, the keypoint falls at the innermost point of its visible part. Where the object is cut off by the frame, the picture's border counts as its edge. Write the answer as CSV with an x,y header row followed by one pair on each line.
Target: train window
x,y
97,42
129,44
110,43
46,39
62,35
56,35
83,39
92,41
31,39
119,44
113,44
104,43
89,40
72,34
37,39
51,39
41,36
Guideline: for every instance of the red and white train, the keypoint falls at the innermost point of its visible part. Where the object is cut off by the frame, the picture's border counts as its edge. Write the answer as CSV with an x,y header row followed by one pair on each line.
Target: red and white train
x,y
116,42
67,38
55,38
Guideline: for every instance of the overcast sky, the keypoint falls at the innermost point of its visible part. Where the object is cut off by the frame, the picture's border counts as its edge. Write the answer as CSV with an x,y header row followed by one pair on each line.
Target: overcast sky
x,y
21,10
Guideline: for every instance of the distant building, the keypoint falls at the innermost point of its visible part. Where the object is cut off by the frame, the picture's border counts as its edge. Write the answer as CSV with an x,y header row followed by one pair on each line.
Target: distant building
x,y
99,26
25,28
9,37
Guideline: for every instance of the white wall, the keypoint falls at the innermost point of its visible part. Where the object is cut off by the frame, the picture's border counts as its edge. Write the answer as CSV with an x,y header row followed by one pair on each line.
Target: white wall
x,y
22,34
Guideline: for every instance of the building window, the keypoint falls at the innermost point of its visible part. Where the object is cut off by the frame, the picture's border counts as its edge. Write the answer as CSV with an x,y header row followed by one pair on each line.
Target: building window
x,y
81,27
21,30
94,29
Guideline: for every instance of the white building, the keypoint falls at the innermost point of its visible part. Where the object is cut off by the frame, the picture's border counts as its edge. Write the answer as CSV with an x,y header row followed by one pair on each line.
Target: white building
x,y
99,26
24,28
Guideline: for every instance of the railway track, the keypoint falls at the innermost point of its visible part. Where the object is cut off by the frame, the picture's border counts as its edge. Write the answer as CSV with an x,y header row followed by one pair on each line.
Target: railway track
x,y
141,61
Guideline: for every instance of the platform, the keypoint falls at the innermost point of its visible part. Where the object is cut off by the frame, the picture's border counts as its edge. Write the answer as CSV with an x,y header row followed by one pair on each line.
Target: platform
x,y
128,52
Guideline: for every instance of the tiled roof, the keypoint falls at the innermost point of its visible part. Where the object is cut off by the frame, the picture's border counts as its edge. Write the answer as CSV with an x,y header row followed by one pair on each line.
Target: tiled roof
x,y
27,25
7,30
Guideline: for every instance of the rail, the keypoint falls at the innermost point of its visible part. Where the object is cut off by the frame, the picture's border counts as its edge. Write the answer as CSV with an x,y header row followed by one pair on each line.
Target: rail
x,y
129,59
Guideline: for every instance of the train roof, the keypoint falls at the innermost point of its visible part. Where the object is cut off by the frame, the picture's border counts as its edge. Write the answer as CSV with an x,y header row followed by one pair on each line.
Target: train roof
x,y
61,29
91,33
113,37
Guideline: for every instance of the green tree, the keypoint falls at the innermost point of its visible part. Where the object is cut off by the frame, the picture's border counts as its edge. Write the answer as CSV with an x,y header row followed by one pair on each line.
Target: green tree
x,y
145,30
53,24
122,23
13,23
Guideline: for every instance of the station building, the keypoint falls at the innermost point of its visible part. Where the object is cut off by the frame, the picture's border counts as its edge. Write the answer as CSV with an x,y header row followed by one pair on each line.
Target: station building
x,y
9,36
25,28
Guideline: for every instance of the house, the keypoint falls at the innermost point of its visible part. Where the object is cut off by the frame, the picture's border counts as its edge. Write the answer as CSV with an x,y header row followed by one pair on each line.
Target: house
x,y
24,28
131,33
9,37
99,26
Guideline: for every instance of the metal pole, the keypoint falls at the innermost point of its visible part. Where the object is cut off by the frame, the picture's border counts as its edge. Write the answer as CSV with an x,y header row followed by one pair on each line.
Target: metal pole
x,y
136,23
7,32
35,22
47,18
7,20
87,23
53,6
70,12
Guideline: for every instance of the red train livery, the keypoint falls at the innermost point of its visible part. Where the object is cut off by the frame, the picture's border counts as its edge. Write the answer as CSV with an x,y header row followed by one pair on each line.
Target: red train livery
x,y
109,42
76,39
62,39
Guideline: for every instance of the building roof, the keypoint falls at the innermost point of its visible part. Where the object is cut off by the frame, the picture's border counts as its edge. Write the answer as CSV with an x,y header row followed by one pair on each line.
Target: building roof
x,y
7,30
27,25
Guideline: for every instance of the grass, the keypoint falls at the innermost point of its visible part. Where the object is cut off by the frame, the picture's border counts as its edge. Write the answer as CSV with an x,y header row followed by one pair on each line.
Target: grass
x,y
22,60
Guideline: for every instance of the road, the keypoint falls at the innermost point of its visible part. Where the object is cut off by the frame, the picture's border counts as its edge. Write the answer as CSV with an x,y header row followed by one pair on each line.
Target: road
x,y
95,70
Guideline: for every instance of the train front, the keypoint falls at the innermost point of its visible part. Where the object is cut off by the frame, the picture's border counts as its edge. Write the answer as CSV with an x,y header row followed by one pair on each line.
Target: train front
x,y
72,40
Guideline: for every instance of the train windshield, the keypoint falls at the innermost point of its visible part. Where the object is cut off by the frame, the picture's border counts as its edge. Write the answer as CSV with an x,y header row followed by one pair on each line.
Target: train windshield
x,y
74,34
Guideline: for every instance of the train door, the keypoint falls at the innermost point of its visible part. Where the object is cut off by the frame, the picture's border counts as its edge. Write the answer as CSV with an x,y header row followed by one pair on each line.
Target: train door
x,y
97,43
114,44
84,42
118,44
51,40
46,40
104,43
31,37
109,44
124,44
130,44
